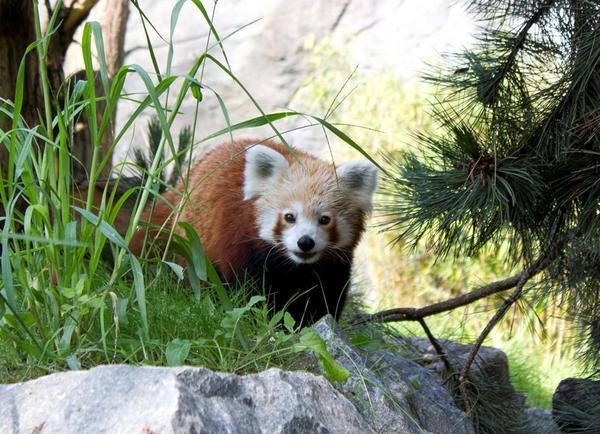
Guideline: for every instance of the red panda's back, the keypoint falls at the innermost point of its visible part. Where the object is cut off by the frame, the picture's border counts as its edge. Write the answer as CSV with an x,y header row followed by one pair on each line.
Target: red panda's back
x,y
216,209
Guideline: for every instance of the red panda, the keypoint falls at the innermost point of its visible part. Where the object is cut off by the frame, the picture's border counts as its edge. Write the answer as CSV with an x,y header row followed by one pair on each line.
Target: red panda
x,y
289,221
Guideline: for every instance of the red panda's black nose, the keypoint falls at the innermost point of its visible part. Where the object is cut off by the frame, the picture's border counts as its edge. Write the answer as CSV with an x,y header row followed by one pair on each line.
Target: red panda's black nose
x,y
306,243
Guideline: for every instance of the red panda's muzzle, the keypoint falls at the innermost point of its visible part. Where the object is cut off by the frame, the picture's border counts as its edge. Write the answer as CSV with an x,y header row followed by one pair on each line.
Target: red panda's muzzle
x,y
306,256
306,243
307,253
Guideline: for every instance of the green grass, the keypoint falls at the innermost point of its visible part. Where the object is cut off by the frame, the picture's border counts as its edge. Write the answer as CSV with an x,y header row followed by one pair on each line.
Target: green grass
x,y
71,294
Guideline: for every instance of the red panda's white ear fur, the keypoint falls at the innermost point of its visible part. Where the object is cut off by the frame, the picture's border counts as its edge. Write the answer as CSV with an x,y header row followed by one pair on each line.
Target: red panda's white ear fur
x,y
360,179
263,166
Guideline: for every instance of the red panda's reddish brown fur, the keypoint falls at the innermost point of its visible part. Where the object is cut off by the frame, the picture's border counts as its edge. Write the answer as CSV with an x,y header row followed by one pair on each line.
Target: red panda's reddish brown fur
x,y
288,220
215,207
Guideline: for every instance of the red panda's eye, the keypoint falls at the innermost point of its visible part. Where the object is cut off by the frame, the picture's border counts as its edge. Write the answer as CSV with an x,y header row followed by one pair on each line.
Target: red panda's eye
x,y
325,220
289,218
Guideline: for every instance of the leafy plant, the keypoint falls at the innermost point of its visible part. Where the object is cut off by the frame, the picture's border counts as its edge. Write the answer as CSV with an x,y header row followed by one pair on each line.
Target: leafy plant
x,y
65,303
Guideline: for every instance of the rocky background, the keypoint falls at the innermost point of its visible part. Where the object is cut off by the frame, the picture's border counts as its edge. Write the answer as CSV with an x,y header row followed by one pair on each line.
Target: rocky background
x,y
268,46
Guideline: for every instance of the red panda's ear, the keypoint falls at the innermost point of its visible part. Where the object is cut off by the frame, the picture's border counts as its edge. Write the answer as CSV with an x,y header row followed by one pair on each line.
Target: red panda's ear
x,y
263,166
360,179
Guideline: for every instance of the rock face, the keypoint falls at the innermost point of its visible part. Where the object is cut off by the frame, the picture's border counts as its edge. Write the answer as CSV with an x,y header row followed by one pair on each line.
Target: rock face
x,y
268,50
499,407
393,393
126,399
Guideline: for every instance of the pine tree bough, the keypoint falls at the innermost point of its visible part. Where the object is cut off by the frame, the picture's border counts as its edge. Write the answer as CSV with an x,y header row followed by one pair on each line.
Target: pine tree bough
x,y
415,314
517,281
515,162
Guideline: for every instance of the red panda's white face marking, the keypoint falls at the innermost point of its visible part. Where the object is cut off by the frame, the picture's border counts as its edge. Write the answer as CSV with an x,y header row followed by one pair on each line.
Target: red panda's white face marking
x,y
307,209
304,233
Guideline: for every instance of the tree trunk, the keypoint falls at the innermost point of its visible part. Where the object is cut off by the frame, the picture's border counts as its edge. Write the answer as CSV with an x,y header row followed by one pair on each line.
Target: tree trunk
x,y
112,16
17,31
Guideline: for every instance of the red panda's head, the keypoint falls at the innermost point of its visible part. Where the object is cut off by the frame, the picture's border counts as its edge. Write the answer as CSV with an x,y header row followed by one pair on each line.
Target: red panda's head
x,y
307,208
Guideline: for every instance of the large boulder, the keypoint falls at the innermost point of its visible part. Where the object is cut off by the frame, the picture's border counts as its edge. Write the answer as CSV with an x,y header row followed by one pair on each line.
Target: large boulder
x,y
126,399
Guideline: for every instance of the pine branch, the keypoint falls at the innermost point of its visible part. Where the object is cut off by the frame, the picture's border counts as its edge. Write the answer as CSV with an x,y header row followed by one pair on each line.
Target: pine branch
x,y
487,92
516,159
416,314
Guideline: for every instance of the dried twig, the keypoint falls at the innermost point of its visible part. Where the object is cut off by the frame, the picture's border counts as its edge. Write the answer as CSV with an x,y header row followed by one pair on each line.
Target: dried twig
x,y
436,345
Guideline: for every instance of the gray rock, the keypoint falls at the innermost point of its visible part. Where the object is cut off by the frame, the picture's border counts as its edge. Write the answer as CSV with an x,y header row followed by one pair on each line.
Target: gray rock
x,y
576,405
498,406
126,399
542,422
266,46
392,393
489,362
